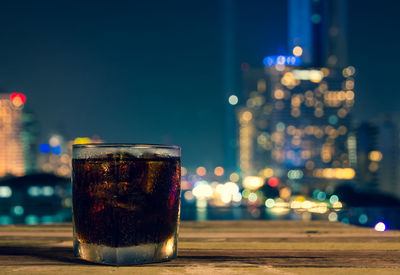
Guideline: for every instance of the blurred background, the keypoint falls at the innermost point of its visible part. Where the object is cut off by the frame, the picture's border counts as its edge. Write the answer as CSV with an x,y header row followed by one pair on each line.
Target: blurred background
x,y
283,109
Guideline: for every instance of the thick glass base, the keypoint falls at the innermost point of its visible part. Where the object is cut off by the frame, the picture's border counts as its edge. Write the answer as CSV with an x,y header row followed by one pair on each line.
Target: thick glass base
x,y
131,255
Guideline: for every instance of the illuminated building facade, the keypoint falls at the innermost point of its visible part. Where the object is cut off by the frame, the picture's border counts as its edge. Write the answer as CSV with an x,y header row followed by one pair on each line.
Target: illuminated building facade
x,y
12,146
310,117
55,156
300,105
297,119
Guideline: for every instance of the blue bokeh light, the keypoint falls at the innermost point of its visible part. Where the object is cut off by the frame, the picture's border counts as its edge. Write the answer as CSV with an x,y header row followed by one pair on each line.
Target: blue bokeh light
x,y
281,60
4,220
333,119
56,150
363,219
44,148
31,219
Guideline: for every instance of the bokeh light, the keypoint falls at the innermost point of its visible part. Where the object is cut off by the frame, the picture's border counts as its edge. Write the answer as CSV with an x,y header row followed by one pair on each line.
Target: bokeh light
x,y
183,171
375,156
201,171
380,227
297,51
219,171
82,140
252,182
44,148
233,100
17,99
273,182
234,177
333,217
270,203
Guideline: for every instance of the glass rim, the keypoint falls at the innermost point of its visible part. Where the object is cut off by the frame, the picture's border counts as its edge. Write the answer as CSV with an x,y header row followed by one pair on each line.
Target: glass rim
x,y
127,145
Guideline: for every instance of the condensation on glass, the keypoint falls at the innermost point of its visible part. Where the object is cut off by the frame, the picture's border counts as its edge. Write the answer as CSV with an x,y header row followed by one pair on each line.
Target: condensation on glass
x,y
126,202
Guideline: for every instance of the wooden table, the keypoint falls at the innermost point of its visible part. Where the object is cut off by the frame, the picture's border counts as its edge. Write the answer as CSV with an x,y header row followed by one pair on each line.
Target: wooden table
x,y
219,247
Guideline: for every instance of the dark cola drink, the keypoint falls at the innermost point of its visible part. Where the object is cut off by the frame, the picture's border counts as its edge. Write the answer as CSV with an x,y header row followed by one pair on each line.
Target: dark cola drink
x,y
126,207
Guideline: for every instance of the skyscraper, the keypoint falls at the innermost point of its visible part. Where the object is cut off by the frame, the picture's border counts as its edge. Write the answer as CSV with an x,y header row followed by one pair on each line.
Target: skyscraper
x,y
319,27
12,155
296,118
296,121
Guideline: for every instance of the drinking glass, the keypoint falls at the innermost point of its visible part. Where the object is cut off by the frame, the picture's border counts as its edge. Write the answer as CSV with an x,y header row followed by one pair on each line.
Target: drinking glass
x,y
126,202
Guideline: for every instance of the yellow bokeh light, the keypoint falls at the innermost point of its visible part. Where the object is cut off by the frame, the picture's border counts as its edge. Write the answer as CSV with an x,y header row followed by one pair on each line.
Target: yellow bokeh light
x,y
309,130
316,76
64,158
202,191
341,95
183,171
335,173
325,71
17,101
297,51
285,193
349,95
351,70
373,167
296,101
375,156
267,172
82,140
279,94
349,84
247,116
252,182
234,177
291,130
337,205
289,80
261,85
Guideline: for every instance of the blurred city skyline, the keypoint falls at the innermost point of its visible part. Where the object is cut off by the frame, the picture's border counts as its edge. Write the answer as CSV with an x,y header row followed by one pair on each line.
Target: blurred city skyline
x,y
283,109
153,72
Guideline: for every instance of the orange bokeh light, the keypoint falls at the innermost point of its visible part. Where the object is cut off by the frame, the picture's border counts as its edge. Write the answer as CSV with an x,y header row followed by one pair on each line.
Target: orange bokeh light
x,y
219,171
201,171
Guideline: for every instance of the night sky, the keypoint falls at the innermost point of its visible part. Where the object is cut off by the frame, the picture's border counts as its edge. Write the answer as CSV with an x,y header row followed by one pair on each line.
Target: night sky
x,y
151,72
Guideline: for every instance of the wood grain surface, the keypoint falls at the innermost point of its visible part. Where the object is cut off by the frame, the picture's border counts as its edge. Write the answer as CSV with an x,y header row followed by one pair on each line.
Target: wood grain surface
x,y
222,247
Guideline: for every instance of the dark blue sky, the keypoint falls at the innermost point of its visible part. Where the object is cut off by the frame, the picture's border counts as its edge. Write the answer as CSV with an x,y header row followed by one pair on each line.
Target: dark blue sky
x,y
151,72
